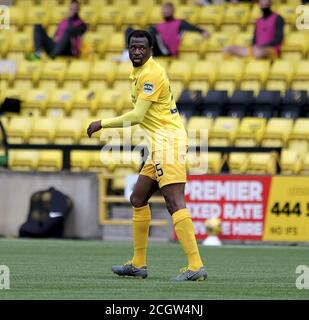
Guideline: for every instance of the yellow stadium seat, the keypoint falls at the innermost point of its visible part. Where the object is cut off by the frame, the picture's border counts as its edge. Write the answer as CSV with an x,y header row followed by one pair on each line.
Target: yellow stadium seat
x,y
236,14
302,71
227,85
211,14
149,3
255,13
52,74
199,85
110,15
17,16
123,71
85,102
68,131
27,71
23,160
300,129
256,70
133,15
12,93
204,162
154,16
198,130
278,85
295,42
56,16
251,85
191,42
79,160
287,11
238,162
111,99
38,15
290,161
35,101
21,42
187,12
89,14
176,88
300,85
94,42
77,74
250,132
217,41
102,70
305,165
232,29
277,132
243,39
50,161
180,71
84,139
18,129
5,39
100,161
43,130
262,163
118,183
97,3
282,70
299,145
204,71
223,131
230,70
60,102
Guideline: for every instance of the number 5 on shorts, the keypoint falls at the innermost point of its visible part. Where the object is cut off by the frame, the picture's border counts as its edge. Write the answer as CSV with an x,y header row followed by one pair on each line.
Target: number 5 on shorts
x,y
159,170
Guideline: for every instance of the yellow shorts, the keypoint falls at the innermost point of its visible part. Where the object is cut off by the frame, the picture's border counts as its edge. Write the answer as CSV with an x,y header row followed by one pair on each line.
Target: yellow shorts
x,y
167,166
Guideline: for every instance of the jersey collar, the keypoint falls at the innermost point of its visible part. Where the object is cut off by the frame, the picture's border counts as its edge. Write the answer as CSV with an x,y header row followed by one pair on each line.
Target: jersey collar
x,y
136,71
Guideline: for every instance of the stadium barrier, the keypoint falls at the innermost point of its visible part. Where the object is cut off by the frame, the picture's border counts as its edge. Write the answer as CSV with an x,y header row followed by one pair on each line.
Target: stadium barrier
x,y
251,207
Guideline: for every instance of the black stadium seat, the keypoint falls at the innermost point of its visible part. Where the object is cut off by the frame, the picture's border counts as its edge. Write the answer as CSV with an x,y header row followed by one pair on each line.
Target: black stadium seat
x,y
265,104
292,104
239,103
189,101
213,103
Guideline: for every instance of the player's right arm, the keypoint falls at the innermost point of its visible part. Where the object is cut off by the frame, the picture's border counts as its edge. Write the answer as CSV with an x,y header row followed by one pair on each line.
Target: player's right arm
x,y
130,118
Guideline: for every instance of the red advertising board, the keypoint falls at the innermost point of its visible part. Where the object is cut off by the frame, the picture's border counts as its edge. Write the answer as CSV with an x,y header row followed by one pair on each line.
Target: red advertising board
x,y
239,201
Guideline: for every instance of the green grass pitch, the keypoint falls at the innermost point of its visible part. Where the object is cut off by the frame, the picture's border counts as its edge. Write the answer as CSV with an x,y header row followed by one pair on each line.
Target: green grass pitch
x,y
73,269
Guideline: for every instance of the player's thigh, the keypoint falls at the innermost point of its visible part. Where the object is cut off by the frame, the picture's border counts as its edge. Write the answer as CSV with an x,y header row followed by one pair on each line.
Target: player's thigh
x,y
144,188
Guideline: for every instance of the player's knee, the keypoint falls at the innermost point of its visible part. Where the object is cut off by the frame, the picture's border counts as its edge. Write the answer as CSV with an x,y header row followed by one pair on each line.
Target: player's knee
x,y
137,202
173,204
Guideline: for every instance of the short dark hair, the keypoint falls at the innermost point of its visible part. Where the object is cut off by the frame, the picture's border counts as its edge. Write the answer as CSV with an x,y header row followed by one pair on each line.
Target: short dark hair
x,y
140,34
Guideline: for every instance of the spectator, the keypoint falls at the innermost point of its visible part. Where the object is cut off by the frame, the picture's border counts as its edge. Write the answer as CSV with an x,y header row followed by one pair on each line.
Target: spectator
x,y
267,38
67,39
166,35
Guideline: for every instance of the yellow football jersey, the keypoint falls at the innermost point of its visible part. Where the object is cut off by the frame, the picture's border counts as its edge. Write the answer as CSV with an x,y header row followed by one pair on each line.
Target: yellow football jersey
x,y
162,122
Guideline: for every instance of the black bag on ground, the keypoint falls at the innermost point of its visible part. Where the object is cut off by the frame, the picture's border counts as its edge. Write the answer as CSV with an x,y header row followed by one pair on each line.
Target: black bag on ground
x,y
47,214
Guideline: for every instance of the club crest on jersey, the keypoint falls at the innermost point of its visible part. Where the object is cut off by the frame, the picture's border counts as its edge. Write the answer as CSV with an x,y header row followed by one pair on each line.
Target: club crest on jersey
x,y
148,88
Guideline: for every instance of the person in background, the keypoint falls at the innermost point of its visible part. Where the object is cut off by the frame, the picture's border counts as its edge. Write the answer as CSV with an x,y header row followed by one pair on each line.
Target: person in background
x,y
67,39
267,38
166,36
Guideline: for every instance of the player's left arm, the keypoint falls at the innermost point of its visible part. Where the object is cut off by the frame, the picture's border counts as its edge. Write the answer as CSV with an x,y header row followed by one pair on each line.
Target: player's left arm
x,y
128,119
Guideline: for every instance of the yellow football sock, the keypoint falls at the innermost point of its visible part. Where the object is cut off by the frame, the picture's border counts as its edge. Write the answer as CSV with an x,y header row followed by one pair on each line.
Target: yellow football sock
x,y
185,233
141,223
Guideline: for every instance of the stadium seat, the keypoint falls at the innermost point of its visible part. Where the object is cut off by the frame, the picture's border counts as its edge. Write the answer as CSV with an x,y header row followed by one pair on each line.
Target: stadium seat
x,y
262,163
5,39
238,162
236,14
60,102
100,161
301,72
256,70
217,41
23,160
186,12
84,139
265,103
250,132
301,85
191,42
35,101
50,161
197,163
255,13
198,129
292,104
116,43
89,13
111,99
290,161
180,71
27,73
57,15
85,103
305,165
43,130
300,130
213,103
282,70
68,131
79,160
243,39
238,104
199,86
287,11
95,43
38,15
123,71
20,43
52,74
226,85
17,16
276,85
204,71
211,14
295,42
223,131
77,74
18,129
230,70
118,182
177,88
101,71
133,15
189,102
277,132
110,15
